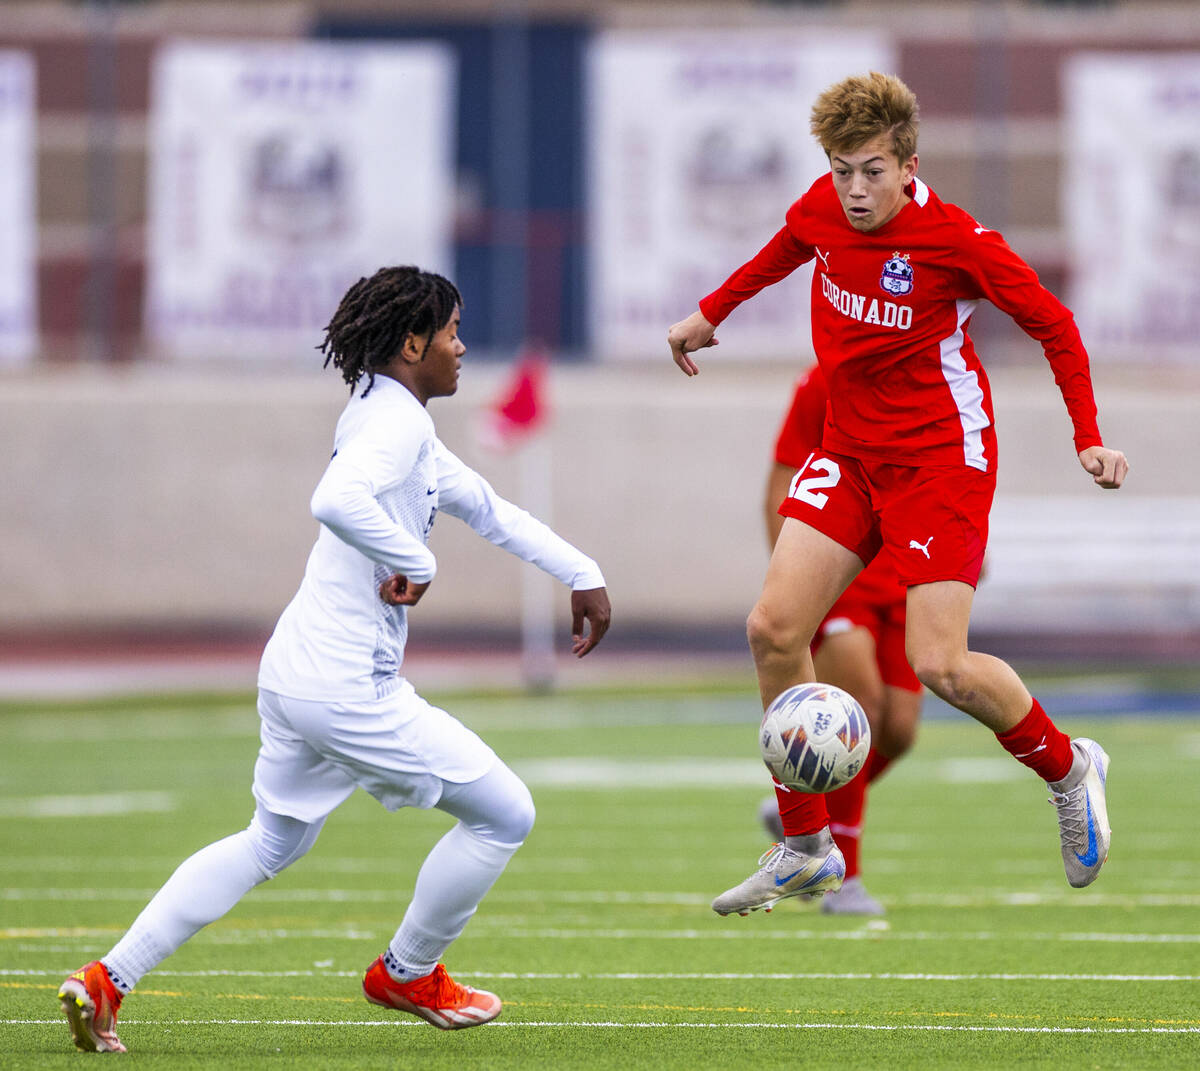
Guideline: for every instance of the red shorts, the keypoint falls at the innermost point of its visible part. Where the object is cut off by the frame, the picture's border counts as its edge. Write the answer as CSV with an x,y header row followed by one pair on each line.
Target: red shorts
x,y
932,521
885,622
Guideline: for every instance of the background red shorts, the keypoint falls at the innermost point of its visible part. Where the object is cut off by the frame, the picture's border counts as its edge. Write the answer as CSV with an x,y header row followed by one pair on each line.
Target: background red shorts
x,y
932,521
885,622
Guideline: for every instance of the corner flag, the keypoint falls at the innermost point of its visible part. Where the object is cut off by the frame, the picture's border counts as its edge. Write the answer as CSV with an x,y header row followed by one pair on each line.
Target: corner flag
x,y
520,409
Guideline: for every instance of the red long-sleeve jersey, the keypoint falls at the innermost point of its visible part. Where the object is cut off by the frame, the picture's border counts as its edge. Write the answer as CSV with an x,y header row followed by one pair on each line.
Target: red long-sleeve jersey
x,y
890,310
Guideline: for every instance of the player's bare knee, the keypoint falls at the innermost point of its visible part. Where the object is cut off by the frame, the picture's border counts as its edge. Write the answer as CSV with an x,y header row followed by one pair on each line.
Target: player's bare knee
x,y
930,674
767,634
756,630
871,699
943,678
894,740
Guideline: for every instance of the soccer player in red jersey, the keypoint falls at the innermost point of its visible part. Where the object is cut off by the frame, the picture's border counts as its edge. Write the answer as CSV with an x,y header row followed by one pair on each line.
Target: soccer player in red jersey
x,y
859,647
907,464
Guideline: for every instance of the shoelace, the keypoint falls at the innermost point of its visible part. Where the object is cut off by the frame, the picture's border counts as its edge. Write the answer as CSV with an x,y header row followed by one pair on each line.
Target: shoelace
x,y
769,858
436,990
1072,814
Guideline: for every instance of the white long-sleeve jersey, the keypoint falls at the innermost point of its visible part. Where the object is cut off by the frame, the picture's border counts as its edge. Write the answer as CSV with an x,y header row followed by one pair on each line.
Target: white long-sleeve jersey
x,y
387,479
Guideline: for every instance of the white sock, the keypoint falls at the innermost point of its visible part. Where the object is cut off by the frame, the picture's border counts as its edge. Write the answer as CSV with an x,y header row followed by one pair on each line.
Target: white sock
x,y
202,889
454,878
495,814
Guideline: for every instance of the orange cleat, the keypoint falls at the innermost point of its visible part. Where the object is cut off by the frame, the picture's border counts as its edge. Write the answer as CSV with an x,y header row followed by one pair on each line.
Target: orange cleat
x,y
90,1002
437,998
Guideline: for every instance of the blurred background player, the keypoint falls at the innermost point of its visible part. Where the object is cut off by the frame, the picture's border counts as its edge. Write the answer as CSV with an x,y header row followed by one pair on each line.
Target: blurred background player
x,y
907,466
335,713
859,647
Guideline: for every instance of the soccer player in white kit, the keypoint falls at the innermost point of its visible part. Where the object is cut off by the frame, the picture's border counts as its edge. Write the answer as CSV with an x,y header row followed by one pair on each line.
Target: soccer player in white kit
x,y
335,712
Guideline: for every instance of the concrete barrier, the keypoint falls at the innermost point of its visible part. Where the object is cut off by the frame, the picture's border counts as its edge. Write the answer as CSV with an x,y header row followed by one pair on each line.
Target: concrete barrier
x,y
151,496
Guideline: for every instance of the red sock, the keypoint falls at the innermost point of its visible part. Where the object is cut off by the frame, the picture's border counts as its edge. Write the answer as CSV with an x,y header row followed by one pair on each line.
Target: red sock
x,y
846,805
802,813
1039,744
877,762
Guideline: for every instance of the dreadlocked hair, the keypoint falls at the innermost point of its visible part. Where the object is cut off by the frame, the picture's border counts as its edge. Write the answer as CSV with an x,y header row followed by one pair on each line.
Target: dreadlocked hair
x,y
378,313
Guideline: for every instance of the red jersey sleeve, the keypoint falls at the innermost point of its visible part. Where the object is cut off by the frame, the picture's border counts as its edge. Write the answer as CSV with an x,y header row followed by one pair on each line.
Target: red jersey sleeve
x,y
993,271
781,256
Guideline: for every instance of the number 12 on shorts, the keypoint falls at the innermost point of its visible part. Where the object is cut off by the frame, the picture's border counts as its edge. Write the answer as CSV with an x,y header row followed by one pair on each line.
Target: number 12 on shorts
x,y
810,488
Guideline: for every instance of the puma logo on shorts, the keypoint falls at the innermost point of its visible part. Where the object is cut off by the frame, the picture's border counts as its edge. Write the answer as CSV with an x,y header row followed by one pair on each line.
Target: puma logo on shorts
x,y
922,547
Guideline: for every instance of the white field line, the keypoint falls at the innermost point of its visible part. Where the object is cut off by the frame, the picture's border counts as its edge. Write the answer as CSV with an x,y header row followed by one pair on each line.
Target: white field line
x,y
95,805
976,771
573,772
749,932
741,933
162,865
400,894
890,858
605,1025
622,773
158,724
666,976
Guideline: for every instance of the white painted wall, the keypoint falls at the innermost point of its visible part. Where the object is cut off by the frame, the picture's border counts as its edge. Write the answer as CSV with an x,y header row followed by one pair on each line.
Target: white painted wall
x,y
150,495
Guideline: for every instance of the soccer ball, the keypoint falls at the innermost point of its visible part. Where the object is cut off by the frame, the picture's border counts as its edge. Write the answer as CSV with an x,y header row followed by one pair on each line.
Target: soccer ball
x,y
814,737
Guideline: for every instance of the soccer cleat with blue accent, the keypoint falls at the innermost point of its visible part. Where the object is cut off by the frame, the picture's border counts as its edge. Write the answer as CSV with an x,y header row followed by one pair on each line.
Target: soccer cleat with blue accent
x,y
1083,817
90,1002
782,873
851,899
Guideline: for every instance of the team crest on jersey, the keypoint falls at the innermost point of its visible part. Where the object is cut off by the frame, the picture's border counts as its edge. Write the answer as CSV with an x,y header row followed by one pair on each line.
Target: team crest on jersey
x,y
897,277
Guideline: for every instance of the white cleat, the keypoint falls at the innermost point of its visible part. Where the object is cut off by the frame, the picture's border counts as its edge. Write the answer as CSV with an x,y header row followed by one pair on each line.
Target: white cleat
x,y
783,873
851,899
1083,817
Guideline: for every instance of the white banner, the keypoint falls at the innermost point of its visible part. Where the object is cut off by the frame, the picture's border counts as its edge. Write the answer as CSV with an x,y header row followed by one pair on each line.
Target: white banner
x,y
1131,202
280,173
18,216
699,142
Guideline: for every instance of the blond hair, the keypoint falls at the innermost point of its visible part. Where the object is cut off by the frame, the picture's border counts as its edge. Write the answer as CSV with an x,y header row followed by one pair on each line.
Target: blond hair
x,y
858,109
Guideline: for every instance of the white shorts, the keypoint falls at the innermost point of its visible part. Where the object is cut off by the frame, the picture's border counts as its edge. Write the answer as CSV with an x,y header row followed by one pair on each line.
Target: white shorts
x,y
399,748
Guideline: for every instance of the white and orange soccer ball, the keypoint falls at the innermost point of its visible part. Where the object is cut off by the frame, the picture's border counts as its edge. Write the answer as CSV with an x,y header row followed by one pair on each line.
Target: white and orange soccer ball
x,y
814,737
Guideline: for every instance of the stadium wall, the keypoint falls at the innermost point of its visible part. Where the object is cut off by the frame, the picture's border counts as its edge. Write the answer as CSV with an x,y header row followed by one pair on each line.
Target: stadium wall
x,y
988,77
145,498
141,495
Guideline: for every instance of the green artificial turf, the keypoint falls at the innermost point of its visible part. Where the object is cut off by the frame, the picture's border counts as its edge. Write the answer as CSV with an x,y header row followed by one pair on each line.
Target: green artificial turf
x,y
599,937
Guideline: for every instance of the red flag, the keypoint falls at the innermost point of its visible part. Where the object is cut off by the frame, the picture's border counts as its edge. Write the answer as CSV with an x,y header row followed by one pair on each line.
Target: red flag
x,y
520,409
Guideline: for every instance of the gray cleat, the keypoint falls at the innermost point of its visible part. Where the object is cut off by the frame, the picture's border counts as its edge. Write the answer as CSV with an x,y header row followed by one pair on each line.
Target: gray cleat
x,y
783,873
768,814
851,899
1083,817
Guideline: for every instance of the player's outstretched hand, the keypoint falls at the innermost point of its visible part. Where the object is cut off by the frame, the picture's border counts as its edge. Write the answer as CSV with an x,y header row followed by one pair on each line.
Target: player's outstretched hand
x,y
694,333
398,590
1108,467
593,607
